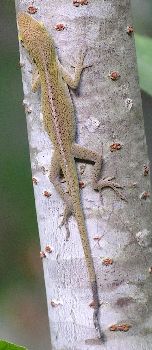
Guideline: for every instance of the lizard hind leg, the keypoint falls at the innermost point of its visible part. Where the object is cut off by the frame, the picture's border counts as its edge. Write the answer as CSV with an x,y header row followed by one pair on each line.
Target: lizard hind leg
x,y
54,177
68,211
94,157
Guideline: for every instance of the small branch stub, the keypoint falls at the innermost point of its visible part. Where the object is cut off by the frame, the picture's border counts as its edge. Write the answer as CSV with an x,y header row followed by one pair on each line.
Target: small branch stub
x,y
120,327
48,249
115,146
34,180
32,10
55,303
42,255
145,195
107,261
130,30
27,107
77,3
146,170
59,27
47,194
114,75
81,184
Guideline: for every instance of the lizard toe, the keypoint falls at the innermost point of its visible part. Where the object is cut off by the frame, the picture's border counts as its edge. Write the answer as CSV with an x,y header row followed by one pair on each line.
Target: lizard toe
x,y
105,183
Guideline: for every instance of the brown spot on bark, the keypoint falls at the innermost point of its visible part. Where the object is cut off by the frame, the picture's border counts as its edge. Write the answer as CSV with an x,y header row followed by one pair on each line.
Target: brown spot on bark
x,y
130,30
107,261
146,170
115,146
32,10
124,327
59,27
80,2
47,194
121,302
114,75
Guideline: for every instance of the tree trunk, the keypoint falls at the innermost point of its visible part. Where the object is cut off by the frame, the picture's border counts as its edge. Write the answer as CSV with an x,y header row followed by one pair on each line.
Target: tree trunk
x,y
109,118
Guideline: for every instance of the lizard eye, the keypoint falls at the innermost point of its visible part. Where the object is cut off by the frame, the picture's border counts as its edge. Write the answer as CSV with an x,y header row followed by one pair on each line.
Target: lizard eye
x,y
34,60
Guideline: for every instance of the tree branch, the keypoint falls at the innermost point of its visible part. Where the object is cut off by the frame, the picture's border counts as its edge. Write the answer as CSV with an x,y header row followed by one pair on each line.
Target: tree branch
x,y
109,117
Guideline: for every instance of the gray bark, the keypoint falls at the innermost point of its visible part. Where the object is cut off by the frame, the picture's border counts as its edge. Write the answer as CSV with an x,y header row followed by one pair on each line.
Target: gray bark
x,y
107,112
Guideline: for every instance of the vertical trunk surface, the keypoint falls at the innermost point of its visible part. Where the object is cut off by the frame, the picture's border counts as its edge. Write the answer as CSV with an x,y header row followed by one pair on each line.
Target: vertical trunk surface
x,y
109,117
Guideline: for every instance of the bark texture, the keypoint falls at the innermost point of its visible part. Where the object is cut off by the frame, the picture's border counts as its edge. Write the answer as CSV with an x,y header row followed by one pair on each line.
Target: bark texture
x,y
107,112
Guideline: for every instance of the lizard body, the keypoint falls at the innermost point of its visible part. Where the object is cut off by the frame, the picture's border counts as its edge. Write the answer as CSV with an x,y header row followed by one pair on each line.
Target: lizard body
x,y
58,114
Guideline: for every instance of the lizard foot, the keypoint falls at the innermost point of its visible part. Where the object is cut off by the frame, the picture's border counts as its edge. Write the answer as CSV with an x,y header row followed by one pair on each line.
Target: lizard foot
x,y
68,211
80,62
107,182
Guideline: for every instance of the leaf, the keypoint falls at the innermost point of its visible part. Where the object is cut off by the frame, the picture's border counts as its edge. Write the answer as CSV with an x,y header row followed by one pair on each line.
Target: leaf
x,y
4,345
144,57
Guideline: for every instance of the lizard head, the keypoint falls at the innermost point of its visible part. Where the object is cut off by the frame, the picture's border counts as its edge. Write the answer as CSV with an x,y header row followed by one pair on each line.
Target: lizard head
x,y
33,35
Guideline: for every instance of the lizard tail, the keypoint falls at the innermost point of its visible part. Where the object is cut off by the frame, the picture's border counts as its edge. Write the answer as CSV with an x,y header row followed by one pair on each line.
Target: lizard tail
x,y
79,216
74,192
73,187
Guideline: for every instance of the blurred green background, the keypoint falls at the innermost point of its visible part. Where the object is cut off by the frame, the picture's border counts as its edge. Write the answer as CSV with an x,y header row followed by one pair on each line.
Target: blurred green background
x,y
23,311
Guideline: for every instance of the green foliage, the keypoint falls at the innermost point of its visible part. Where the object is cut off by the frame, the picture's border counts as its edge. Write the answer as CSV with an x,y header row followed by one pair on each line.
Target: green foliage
x,y
4,345
144,57
142,10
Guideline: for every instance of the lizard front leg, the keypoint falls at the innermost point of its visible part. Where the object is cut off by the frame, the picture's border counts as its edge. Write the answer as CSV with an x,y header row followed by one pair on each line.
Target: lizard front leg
x,y
73,82
87,154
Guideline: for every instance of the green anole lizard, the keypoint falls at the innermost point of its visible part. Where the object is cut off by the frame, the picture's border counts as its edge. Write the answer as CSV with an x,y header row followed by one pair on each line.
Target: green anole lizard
x,y
58,117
